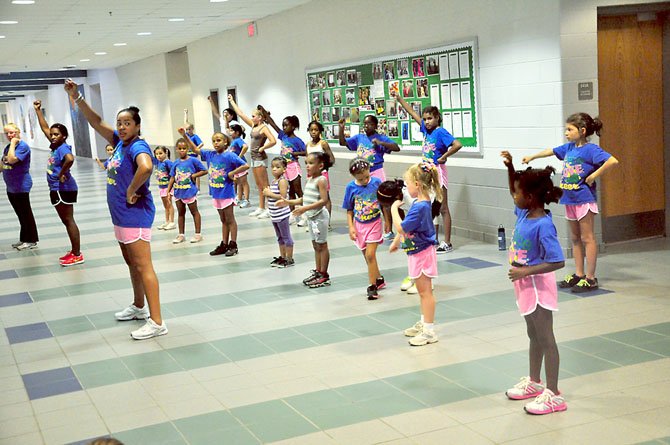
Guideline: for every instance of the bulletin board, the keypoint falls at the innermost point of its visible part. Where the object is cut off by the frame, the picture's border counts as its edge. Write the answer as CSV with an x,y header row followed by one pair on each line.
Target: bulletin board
x,y
445,77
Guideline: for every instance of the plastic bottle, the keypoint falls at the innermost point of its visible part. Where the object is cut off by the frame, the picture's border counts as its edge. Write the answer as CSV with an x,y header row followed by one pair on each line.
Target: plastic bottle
x,y
502,242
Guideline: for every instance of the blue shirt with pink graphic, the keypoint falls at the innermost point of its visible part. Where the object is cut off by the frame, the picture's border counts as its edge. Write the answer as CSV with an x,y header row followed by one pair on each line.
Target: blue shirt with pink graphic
x,y
578,164
54,166
219,165
182,170
162,169
290,145
364,148
362,200
534,240
436,143
419,228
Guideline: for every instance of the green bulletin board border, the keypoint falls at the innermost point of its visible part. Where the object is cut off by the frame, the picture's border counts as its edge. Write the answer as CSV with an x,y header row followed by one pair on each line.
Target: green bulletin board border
x,y
359,74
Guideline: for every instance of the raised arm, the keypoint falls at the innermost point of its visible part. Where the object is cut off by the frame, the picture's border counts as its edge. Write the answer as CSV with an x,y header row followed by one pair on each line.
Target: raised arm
x,y
268,119
341,139
44,126
186,122
507,160
196,148
215,109
247,120
406,106
93,118
540,154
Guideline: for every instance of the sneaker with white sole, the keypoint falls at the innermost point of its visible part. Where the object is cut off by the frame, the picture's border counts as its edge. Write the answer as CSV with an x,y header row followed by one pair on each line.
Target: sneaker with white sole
x,y
424,338
445,248
406,284
133,312
149,330
414,330
525,389
546,403
26,246
170,226
263,215
412,290
162,226
388,236
256,212
302,222
291,220
244,203
179,239
196,238
16,244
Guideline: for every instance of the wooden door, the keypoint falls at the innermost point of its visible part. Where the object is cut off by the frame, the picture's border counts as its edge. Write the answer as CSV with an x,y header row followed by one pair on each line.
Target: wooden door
x,y
630,88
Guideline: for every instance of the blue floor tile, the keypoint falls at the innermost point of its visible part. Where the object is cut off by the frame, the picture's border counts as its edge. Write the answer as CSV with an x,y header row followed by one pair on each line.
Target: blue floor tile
x,y
595,293
28,332
15,299
7,274
53,389
50,383
472,263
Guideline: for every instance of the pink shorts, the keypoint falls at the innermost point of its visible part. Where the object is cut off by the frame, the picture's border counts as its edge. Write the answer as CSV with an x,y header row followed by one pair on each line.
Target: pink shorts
x,y
239,175
424,262
536,289
325,175
578,211
190,200
442,171
222,203
379,173
128,235
293,170
368,233
163,192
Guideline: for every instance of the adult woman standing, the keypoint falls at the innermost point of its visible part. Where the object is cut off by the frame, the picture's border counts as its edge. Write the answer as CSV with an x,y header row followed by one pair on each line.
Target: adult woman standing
x,y
15,167
132,209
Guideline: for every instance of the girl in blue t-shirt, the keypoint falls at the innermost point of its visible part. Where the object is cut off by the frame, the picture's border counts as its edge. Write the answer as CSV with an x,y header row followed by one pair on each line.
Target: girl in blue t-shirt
x,y
239,147
183,175
223,165
417,235
364,219
162,168
372,147
102,163
438,146
131,207
62,186
583,162
534,255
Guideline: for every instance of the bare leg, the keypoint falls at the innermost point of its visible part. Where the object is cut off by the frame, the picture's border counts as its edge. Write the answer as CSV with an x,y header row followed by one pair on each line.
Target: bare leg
x,y
446,215
589,242
231,223
324,255
542,320
139,254
577,247
370,254
193,208
425,289
66,214
181,215
534,351
224,226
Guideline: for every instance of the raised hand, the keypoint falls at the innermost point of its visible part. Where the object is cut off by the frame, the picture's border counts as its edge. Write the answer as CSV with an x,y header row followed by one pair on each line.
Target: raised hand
x,y
37,104
71,88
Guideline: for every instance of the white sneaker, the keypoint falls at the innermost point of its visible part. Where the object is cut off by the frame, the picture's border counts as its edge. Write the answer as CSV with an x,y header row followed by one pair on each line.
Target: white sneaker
x,y
162,226
256,212
414,330
302,222
424,338
179,239
406,284
244,203
133,312
196,238
264,214
170,226
149,330
413,290
26,246
291,220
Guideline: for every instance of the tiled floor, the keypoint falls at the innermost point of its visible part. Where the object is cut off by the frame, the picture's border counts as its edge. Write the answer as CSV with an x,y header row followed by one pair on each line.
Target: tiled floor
x,y
255,357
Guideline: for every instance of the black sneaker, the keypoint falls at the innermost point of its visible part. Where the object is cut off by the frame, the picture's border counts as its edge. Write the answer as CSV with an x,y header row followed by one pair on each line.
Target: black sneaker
x,y
372,292
313,274
232,249
380,283
323,279
585,285
276,261
570,281
220,249
287,262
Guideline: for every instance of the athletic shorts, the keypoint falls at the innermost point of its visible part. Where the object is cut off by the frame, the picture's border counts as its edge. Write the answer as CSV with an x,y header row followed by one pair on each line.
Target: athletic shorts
x,y
293,171
63,197
318,226
163,192
424,262
535,290
239,175
128,235
442,172
367,233
220,204
187,201
255,163
379,173
576,212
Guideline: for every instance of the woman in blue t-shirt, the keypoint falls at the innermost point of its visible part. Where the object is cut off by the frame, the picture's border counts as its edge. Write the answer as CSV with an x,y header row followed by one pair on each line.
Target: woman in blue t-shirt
x,y
16,173
583,162
62,186
131,207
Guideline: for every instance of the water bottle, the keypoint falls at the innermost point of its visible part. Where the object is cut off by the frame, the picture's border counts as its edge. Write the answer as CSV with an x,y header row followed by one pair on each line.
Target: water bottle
x,y
502,242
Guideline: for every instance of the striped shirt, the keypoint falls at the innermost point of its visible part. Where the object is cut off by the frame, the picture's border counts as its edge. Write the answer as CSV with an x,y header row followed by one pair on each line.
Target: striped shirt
x,y
277,213
311,195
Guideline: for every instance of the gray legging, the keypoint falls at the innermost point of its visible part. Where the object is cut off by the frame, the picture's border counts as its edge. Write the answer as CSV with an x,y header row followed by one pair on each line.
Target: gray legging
x,y
283,232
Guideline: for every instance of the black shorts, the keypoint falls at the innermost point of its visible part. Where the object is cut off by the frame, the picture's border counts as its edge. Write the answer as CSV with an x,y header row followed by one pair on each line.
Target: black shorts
x,y
63,197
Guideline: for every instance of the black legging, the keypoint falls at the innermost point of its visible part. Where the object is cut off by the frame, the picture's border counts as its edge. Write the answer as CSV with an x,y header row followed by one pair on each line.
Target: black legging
x,y
21,204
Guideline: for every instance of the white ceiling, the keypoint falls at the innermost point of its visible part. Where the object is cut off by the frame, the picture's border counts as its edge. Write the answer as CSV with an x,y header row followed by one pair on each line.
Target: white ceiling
x,y
52,34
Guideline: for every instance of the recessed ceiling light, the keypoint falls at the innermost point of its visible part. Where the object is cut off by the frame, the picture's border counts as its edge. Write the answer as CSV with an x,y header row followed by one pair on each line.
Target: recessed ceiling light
x,y
8,22
100,53
143,33
70,66
2,37
217,1
120,44
176,20
23,2
84,60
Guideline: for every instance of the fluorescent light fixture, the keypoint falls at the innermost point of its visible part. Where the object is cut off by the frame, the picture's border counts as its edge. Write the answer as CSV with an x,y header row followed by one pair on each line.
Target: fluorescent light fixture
x,y
217,1
100,53
2,37
143,33
70,66
120,44
8,22
176,20
84,60
23,2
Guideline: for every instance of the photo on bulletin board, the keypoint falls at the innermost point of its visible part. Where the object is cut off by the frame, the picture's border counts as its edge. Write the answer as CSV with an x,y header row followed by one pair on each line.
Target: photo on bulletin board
x,y
316,114
446,77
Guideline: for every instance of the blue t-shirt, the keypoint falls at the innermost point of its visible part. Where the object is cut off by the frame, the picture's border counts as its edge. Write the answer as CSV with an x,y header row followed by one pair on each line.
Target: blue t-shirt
x,y
182,170
578,164
364,148
236,147
289,145
418,227
162,170
196,140
435,143
54,166
121,168
534,240
17,176
219,165
362,200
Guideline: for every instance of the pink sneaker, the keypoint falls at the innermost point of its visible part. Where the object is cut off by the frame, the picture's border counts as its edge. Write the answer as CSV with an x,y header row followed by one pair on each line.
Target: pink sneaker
x,y
525,389
546,403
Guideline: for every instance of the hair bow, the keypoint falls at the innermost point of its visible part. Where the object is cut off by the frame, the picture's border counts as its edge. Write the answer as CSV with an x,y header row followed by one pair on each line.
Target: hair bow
x,y
426,166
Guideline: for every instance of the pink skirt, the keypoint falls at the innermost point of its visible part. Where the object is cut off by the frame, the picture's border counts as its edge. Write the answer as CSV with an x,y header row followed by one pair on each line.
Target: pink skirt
x,y
293,170
128,235
424,262
536,289
368,233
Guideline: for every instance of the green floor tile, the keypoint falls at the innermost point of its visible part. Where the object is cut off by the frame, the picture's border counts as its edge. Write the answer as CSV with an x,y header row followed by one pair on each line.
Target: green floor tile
x,y
101,373
634,337
48,294
661,347
364,326
429,388
628,355
185,308
367,390
273,429
197,356
293,344
234,436
390,405
399,318
311,329
151,364
593,345
160,434
660,328
241,348
580,363
224,301
259,412
316,400
276,335
70,325
220,420
327,338
103,320
84,288
334,417
514,364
